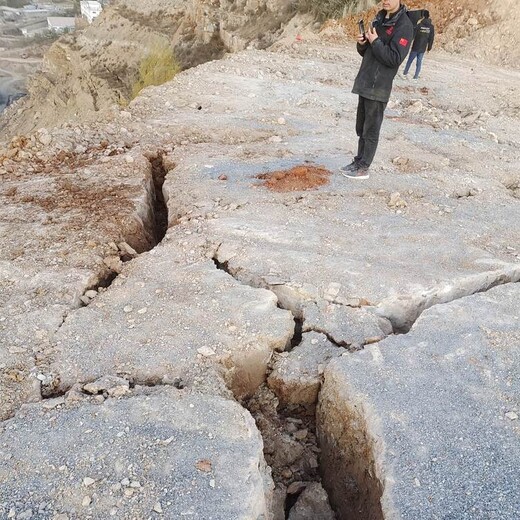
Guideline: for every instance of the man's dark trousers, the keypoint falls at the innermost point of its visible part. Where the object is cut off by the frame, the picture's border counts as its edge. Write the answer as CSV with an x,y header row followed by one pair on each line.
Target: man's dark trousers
x,y
368,125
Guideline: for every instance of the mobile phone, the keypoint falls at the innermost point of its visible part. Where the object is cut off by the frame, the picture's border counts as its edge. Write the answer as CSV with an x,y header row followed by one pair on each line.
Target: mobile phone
x,y
361,26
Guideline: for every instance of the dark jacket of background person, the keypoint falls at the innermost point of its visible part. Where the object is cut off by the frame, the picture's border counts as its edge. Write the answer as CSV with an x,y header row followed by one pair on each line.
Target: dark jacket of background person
x,y
382,59
424,35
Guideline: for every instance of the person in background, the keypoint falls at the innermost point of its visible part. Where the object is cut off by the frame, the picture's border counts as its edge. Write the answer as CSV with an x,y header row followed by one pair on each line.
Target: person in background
x,y
383,47
424,36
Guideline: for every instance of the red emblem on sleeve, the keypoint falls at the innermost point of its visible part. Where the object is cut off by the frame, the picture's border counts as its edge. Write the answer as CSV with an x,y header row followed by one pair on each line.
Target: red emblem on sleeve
x,y
389,31
403,42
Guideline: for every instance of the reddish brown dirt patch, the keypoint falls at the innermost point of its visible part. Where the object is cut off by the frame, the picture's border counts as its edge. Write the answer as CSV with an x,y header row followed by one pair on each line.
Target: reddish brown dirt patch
x,y
299,178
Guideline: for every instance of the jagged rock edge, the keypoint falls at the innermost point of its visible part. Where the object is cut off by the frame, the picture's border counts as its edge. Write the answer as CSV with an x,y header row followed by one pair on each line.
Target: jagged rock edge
x,y
404,310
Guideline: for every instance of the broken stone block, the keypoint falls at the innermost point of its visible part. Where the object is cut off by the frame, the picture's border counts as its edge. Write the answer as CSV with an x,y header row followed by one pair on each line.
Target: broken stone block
x,y
112,385
297,375
419,422
147,447
238,325
347,326
312,504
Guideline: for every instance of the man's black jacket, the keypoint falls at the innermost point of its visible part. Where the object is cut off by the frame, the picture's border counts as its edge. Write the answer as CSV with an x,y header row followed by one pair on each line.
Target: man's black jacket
x,y
424,35
381,60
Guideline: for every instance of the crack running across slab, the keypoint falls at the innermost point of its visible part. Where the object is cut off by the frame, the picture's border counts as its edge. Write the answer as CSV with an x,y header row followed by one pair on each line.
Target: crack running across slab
x,y
403,311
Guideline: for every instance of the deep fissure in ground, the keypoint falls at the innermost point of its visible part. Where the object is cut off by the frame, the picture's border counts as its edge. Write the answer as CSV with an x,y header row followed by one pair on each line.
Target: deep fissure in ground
x,y
160,208
156,229
290,447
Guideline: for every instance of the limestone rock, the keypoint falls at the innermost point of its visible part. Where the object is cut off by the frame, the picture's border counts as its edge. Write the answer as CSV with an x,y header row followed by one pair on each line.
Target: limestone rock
x,y
412,423
296,377
312,504
90,449
167,341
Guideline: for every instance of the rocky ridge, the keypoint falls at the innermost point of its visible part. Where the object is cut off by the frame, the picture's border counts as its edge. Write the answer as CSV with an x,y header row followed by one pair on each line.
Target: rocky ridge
x,y
325,312
92,71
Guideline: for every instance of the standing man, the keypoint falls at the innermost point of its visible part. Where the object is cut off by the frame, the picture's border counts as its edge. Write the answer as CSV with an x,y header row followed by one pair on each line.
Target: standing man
x,y
424,35
384,47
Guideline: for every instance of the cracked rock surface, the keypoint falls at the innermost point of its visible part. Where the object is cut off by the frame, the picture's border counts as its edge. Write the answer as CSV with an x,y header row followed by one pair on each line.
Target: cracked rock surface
x,y
159,452
166,319
421,420
245,273
57,227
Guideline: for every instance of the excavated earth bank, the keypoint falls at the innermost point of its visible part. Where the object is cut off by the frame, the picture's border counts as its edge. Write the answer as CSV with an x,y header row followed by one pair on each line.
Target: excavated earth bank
x,y
371,329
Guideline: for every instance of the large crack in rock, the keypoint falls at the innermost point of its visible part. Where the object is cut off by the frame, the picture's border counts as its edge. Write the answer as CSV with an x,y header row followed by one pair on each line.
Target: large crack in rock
x,y
291,451
82,223
154,218
404,310
387,416
159,198
284,410
350,452
346,325
133,190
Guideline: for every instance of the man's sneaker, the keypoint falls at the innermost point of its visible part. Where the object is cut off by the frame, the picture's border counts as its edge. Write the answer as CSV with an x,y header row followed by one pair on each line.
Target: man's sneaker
x,y
361,172
353,166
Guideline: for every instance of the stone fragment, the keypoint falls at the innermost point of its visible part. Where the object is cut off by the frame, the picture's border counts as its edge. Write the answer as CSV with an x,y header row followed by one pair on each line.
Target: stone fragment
x,y
206,351
114,263
129,250
312,504
204,465
296,378
49,404
45,139
396,201
296,487
301,434
113,385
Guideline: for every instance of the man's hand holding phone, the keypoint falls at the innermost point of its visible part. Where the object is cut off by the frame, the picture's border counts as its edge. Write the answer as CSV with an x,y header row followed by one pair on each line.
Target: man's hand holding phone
x,y
371,35
361,38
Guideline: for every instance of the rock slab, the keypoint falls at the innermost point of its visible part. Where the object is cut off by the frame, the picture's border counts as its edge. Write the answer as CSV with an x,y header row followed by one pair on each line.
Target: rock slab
x,y
424,425
159,452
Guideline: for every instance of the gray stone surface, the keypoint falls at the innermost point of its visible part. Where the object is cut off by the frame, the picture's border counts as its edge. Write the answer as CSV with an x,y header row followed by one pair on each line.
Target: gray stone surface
x,y
160,453
297,375
435,222
312,504
429,419
165,318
